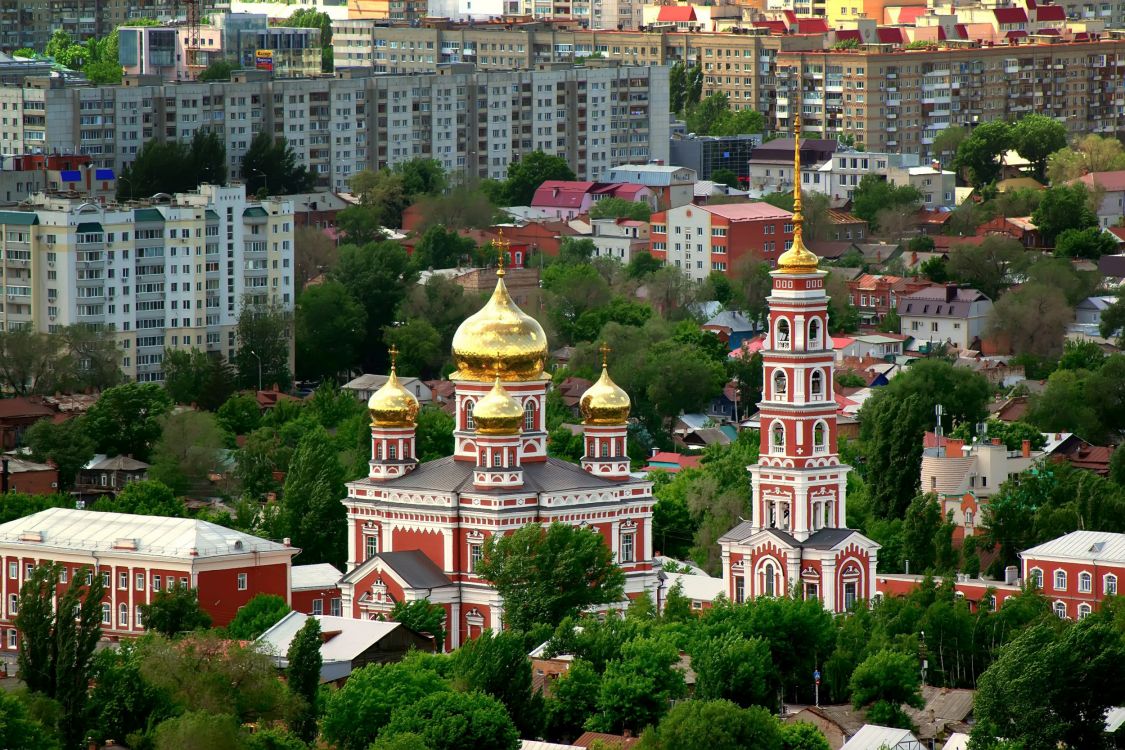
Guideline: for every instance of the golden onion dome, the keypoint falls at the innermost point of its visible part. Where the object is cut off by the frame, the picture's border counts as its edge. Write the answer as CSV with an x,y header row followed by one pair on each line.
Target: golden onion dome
x,y
498,413
392,405
798,259
500,340
604,403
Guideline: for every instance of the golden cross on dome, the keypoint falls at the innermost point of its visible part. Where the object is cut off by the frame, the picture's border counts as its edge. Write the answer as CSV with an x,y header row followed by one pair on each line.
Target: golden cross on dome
x,y
605,350
500,245
393,351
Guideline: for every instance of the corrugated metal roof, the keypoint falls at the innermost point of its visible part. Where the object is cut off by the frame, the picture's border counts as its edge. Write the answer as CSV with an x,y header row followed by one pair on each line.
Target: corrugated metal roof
x,y
699,587
875,737
148,214
126,534
318,576
449,475
352,637
23,218
1082,545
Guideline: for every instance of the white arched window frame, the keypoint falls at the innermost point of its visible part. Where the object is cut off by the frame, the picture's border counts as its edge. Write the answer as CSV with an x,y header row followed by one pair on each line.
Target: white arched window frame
x,y
1060,610
782,337
777,436
1084,611
1085,583
820,437
123,614
469,424
1060,580
816,384
780,384
529,416
1035,578
814,333
1109,585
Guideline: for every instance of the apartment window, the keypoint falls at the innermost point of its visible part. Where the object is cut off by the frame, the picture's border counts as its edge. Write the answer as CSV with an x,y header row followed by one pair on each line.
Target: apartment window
x,y
1083,611
318,607
138,617
334,607
739,589
241,581
1109,585
1060,580
13,570
1085,583
156,583
627,547
122,580
13,604
140,581
106,615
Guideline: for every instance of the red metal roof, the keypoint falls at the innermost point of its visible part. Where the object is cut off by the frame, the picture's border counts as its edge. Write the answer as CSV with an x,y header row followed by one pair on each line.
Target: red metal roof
x,y
1010,15
890,35
775,27
561,194
1113,182
843,35
1050,13
812,26
676,14
1016,34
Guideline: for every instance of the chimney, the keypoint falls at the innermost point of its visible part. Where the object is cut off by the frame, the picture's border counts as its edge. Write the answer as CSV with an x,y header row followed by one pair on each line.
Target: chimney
x,y
1010,575
287,542
950,292
654,452
935,165
5,476
996,441
1025,449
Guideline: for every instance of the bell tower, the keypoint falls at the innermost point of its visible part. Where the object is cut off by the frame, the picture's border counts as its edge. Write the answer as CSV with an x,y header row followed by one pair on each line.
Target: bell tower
x,y
394,414
798,484
605,428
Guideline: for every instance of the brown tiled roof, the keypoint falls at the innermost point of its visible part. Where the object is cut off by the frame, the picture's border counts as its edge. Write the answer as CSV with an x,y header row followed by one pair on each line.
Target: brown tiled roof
x,y
21,406
609,741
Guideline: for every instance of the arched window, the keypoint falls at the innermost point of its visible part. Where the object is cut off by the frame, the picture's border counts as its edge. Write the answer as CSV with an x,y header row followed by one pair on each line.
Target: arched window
x,y
497,460
816,383
1085,583
814,333
820,437
469,416
392,452
1083,611
605,449
780,383
123,614
1060,610
1109,585
378,451
529,416
781,334
106,613
767,573
1035,578
1060,580
777,436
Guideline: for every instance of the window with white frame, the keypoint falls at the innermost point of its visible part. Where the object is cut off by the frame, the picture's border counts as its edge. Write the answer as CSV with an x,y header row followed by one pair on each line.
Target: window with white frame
x,y
529,416
1060,580
106,614
469,424
1084,611
156,583
627,551
123,615
1085,583
1035,578
370,546
1109,585
780,384
138,617
140,578
318,607
476,554
241,581
13,604
1060,610
12,638
122,580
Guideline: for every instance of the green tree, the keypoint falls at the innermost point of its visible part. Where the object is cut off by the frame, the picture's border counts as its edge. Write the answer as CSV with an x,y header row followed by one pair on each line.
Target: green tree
x,y
1063,207
463,207
330,329
677,87
189,378
187,452
174,612
125,420
383,197
987,266
310,512
980,153
1091,242
874,194
57,639
270,164
303,677
219,70
638,685
121,702
422,617
526,175
948,141
1041,307
572,700
729,667
1048,689
422,177
310,18
360,710
1036,137
496,664
1113,320
538,573
199,730
261,613
884,681
67,444
801,735
1092,153
707,724
1068,403
144,498
434,434
264,333
619,208
681,379
240,414
725,177
439,248
18,729
641,265
456,721
379,276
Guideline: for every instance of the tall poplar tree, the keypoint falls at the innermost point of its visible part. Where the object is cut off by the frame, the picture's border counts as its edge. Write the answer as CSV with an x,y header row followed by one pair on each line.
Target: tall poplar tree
x,y
304,677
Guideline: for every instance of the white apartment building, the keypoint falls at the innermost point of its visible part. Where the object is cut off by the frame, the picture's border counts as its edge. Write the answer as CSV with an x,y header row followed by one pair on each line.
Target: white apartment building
x,y
619,239
944,315
474,122
167,274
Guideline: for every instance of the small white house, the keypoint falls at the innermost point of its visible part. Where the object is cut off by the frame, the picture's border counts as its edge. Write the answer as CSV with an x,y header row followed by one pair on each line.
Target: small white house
x,y
875,737
363,386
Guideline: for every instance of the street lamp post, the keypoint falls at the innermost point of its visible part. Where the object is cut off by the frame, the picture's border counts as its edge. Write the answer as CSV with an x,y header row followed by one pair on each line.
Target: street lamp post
x,y
265,177
259,367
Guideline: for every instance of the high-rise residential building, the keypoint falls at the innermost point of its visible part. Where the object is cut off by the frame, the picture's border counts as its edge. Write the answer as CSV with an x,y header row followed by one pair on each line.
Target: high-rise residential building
x,y
173,273
474,122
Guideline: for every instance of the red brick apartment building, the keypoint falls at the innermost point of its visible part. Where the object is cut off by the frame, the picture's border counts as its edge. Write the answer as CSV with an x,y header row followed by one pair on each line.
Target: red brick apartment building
x,y
702,239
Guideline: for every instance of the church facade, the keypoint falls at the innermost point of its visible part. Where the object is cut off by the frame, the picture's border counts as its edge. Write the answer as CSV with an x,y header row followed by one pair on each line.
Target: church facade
x,y
797,541
417,530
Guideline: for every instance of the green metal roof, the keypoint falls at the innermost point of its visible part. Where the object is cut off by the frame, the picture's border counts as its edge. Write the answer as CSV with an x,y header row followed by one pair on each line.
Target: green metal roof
x,y
255,212
90,227
26,218
211,215
148,214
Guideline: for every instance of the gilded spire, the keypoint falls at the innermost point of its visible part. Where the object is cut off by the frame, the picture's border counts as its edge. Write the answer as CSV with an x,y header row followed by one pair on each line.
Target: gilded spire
x,y
798,258
500,245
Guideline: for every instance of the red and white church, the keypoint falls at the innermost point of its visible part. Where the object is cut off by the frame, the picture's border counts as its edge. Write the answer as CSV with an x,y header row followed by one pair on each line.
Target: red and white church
x,y
796,541
417,530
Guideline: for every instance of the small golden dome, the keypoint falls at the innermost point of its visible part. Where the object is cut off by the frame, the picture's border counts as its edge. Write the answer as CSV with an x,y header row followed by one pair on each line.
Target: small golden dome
x,y
500,340
498,413
604,403
392,405
798,259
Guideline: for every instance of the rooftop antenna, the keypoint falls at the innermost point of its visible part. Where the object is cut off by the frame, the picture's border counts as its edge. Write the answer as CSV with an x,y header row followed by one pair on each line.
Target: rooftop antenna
x,y
938,412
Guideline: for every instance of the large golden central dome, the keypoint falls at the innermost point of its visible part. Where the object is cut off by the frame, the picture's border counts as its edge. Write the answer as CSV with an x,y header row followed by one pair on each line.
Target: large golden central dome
x,y
500,340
